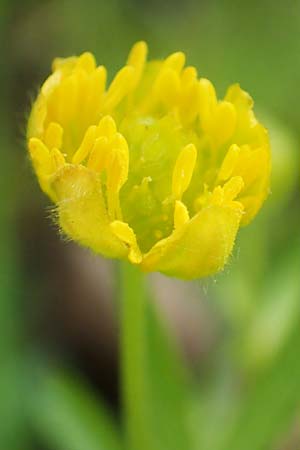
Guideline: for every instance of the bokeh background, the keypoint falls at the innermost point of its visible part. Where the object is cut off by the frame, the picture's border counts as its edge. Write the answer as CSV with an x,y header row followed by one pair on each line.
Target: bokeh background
x,y
58,307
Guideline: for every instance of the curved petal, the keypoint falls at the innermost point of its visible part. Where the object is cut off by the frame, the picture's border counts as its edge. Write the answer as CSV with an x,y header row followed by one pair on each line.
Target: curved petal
x,y
199,248
254,166
248,129
81,211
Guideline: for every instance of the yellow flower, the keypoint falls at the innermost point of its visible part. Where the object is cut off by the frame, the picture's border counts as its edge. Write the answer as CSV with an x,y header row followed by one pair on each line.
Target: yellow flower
x,y
153,168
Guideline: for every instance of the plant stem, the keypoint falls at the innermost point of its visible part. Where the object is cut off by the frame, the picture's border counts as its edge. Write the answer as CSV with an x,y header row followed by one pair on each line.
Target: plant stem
x,y
133,357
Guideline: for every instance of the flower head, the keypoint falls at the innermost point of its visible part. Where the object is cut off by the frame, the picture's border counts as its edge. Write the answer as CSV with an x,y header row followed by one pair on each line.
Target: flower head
x,y
153,168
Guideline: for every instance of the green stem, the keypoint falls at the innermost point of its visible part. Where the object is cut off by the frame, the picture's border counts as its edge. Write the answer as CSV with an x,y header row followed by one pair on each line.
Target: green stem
x,y
133,357
154,385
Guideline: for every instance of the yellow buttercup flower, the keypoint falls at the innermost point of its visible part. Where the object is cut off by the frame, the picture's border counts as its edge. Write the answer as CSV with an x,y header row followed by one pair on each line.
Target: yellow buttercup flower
x,y
153,168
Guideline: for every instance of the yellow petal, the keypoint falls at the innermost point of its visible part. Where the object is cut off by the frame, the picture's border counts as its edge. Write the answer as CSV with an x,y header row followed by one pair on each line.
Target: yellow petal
x,y
39,154
181,214
254,166
64,64
57,158
248,129
68,101
238,97
232,188
107,127
183,170
126,234
137,58
120,87
98,157
54,135
229,162
86,145
224,123
167,87
200,248
42,162
138,54
189,105
175,61
188,76
207,102
87,62
117,174
81,211
99,78
37,118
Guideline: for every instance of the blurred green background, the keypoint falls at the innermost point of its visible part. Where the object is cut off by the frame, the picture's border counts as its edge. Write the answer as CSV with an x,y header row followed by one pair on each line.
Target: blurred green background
x,y
237,333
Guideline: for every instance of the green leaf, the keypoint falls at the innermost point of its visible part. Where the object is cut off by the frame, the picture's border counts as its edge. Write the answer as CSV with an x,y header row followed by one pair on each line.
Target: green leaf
x,y
155,392
271,406
273,397
68,417
278,314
